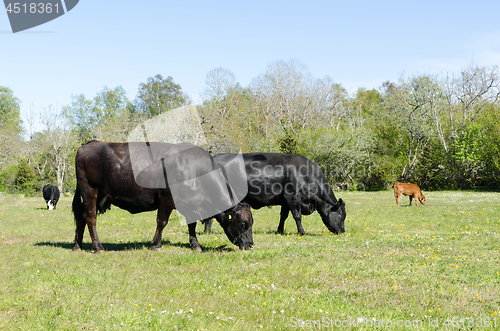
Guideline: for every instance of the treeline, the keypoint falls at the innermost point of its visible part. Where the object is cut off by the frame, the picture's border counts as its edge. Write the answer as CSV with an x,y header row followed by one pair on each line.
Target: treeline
x,y
440,132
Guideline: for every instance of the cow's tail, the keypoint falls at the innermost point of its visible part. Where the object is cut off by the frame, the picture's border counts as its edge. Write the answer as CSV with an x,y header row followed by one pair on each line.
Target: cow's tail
x,y
78,207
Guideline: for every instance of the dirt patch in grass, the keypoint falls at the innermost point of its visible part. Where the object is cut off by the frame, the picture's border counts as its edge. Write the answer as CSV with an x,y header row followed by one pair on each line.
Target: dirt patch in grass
x,y
15,240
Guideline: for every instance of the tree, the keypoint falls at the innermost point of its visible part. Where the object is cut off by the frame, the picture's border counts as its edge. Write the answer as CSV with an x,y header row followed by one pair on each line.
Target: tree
x,y
220,83
284,96
218,103
159,95
344,156
491,143
25,177
228,119
332,102
111,115
468,95
102,118
412,104
10,107
60,141
79,115
30,120
340,141
10,126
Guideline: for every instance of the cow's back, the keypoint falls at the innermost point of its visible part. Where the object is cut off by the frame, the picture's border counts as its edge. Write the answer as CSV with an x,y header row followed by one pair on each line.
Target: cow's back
x,y
305,174
98,161
408,189
134,175
286,170
50,192
46,191
106,168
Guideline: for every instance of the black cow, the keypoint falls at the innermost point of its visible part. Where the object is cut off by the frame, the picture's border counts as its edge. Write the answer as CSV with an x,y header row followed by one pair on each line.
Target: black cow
x,y
292,181
51,195
105,175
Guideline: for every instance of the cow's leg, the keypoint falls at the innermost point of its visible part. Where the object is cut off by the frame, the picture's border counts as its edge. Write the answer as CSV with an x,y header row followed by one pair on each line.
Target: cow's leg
x,y
80,229
193,241
396,195
90,215
89,210
295,208
416,202
208,225
297,216
283,217
79,221
164,212
410,199
86,214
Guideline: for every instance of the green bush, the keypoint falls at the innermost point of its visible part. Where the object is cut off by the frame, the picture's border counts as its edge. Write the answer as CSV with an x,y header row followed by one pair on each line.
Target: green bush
x,y
25,180
288,143
8,178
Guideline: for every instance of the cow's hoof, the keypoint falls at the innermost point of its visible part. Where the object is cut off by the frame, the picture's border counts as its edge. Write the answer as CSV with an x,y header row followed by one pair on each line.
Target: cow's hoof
x,y
197,249
76,249
157,248
99,251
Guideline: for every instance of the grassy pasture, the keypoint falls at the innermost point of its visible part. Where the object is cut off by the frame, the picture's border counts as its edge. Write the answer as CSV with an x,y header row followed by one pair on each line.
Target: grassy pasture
x,y
404,264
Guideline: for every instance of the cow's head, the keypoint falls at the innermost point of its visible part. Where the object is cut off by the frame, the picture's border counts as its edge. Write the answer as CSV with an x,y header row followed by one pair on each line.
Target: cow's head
x,y
237,223
335,217
422,200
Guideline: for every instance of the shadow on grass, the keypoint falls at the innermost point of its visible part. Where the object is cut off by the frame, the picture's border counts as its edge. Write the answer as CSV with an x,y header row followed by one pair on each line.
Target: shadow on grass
x,y
271,232
110,247
219,231
54,211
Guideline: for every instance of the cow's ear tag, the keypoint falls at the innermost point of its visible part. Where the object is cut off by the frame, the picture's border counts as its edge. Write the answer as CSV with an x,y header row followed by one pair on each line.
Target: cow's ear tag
x,y
229,216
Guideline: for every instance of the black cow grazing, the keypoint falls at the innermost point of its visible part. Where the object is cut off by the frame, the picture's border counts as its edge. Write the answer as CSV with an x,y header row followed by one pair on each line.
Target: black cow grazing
x,y
51,195
106,175
292,181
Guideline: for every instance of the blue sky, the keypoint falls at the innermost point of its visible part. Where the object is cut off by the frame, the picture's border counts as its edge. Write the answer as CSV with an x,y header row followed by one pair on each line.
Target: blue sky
x,y
356,43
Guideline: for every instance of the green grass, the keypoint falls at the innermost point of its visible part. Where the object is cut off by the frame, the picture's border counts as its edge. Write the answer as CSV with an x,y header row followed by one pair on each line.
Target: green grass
x,y
397,264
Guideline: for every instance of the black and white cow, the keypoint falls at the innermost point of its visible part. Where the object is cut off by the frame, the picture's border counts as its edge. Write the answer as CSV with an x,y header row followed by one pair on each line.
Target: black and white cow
x,y
51,195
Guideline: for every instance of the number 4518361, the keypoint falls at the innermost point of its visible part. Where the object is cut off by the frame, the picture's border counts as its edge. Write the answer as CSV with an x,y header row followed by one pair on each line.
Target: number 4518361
x,y
32,8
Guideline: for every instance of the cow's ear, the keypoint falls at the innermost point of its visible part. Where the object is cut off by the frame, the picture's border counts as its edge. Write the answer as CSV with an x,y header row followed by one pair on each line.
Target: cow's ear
x,y
337,205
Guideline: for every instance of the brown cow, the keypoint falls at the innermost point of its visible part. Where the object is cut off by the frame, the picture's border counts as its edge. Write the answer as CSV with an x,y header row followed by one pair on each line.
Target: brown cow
x,y
411,190
105,176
